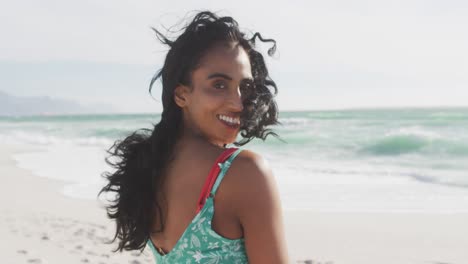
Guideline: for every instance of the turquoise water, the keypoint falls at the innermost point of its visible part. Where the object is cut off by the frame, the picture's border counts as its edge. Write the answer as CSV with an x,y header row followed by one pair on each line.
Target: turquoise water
x,y
409,150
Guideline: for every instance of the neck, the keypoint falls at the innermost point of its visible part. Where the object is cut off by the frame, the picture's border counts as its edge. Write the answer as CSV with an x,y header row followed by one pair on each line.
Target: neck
x,y
194,141
191,138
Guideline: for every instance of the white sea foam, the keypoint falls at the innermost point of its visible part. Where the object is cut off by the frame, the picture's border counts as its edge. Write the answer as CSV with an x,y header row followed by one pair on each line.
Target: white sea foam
x,y
414,131
35,138
78,166
311,185
327,165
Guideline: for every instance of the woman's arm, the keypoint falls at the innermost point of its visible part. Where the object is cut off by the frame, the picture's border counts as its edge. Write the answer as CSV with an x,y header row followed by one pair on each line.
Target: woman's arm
x,y
259,210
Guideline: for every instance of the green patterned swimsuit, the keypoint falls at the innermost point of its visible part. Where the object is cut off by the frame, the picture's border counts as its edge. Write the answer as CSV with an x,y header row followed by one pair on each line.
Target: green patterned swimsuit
x,y
200,243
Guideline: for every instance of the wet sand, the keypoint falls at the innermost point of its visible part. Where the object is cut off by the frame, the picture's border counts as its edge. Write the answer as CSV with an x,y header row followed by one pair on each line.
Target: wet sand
x,y
39,225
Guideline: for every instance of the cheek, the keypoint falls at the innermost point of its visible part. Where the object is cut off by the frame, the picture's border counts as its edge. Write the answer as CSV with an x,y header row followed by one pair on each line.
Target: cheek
x,y
210,98
205,105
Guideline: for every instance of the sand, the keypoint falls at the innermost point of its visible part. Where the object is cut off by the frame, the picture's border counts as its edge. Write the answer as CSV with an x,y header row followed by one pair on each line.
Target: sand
x,y
40,225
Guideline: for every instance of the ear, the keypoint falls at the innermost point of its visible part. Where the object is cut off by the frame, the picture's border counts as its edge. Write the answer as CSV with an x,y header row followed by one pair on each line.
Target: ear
x,y
181,95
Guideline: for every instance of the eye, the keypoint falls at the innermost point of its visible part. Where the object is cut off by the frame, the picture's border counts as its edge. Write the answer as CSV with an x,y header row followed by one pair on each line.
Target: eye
x,y
246,83
247,87
220,85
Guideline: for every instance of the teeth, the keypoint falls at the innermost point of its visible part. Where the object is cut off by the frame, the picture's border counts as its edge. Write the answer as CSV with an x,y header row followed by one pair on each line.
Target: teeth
x,y
229,119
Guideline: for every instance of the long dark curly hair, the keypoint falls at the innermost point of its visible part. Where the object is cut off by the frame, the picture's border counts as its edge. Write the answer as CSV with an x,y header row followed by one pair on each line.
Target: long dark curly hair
x,y
140,159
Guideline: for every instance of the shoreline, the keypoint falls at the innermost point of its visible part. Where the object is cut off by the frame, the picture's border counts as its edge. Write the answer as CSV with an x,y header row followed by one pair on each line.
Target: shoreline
x,y
40,225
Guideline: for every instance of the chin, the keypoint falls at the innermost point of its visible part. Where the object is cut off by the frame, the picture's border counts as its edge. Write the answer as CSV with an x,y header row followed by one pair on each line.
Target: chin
x,y
227,140
230,142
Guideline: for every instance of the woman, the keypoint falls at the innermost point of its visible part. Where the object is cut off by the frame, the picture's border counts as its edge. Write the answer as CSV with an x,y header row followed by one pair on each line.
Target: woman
x,y
215,85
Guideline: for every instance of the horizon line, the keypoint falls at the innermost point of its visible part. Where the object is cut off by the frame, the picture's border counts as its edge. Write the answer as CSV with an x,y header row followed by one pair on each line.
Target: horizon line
x,y
285,111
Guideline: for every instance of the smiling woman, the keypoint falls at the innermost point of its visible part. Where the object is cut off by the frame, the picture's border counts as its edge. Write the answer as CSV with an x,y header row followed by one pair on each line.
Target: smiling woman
x,y
213,100
215,86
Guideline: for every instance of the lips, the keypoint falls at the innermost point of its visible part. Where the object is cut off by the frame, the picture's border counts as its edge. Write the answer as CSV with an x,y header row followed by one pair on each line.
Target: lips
x,y
231,122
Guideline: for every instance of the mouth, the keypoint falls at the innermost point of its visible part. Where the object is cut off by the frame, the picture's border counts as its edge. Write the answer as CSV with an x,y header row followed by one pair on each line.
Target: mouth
x,y
231,122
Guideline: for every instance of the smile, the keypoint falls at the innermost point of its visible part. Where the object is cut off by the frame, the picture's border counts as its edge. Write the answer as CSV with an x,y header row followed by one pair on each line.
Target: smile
x,y
230,121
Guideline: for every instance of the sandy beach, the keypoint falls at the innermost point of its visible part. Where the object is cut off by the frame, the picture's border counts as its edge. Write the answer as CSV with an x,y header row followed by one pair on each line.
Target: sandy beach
x,y
40,225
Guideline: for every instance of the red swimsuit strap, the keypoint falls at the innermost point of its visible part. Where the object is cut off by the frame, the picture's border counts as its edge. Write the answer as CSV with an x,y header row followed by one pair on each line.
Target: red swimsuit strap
x,y
210,180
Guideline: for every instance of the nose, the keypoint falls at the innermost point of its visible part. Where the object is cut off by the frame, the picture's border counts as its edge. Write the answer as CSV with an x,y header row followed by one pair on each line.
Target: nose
x,y
235,100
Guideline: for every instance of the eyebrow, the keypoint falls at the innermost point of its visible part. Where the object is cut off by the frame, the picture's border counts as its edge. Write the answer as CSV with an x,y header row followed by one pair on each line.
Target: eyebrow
x,y
224,76
217,74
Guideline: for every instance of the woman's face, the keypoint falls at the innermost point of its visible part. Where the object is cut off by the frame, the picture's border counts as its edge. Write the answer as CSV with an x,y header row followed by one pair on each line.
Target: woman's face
x,y
212,105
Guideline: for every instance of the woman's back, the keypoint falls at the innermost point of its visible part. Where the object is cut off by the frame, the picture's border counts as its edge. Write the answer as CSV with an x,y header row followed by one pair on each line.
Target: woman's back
x,y
192,233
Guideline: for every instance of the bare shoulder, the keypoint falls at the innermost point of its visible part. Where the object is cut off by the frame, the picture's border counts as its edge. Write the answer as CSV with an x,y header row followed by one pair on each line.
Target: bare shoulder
x,y
258,208
253,179
252,167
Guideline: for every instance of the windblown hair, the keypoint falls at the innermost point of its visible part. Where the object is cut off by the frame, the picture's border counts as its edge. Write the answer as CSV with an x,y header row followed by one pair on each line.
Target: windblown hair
x,y
142,157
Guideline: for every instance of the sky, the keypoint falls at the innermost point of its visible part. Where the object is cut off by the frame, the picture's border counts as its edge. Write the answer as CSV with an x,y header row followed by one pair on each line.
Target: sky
x,y
330,54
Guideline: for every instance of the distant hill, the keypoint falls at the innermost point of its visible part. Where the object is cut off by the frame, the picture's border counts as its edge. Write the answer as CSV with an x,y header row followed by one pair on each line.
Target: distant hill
x,y
44,105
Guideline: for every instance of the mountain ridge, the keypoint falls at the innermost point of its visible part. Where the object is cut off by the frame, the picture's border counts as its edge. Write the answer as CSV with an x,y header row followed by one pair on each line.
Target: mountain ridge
x,y
11,105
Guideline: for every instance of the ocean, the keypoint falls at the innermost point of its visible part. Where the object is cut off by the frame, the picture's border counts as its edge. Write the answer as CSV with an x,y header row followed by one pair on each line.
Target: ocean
x,y
357,160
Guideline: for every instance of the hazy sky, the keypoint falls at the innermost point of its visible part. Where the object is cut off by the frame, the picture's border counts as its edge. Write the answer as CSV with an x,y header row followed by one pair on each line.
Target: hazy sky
x,y
331,54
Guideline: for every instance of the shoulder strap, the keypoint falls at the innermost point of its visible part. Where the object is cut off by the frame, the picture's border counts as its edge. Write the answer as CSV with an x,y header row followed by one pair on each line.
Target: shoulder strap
x,y
224,168
210,180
